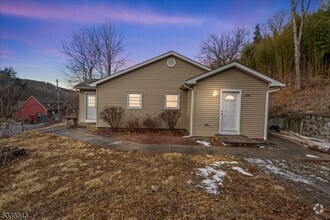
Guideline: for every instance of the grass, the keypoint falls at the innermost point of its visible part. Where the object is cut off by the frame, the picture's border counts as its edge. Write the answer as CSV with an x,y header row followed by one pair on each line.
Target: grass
x,y
64,178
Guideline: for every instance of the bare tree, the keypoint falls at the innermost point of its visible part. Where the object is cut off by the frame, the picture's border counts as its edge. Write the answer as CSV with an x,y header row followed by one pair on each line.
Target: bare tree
x,y
111,49
277,22
11,91
93,53
217,51
297,35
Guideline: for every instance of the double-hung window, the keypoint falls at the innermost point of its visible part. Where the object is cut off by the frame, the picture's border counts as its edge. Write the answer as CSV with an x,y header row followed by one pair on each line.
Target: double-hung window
x,y
172,101
134,100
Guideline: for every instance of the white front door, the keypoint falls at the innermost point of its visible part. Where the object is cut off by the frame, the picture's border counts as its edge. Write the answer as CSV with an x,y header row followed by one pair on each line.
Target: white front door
x,y
230,112
90,107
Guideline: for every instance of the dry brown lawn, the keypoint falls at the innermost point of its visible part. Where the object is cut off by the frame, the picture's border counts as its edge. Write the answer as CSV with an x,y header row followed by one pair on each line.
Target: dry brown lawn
x,y
63,178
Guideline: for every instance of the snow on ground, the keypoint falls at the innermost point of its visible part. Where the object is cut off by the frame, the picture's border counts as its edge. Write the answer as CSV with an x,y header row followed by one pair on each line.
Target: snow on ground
x,y
204,143
311,156
292,170
213,175
212,179
240,170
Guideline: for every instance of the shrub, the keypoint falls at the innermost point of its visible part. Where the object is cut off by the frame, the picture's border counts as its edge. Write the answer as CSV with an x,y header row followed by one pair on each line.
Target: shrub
x,y
133,123
152,122
113,115
170,117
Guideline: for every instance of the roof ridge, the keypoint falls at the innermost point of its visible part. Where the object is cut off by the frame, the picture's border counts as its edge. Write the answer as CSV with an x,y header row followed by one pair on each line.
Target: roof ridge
x,y
146,62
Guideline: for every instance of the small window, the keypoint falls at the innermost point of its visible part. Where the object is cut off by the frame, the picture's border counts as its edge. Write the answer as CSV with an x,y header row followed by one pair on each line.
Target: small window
x,y
172,101
90,101
171,62
230,97
134,100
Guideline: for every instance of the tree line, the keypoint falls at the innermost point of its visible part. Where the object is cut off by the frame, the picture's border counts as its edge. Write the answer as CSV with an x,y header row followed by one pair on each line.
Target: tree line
x,y
274,52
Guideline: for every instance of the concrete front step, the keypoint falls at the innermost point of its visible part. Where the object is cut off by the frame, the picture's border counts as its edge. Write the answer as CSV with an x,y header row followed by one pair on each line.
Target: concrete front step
x,y
238,141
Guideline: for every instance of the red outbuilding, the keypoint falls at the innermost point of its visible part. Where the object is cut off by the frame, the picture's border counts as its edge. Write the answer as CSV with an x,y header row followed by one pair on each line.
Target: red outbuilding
x,y
31,107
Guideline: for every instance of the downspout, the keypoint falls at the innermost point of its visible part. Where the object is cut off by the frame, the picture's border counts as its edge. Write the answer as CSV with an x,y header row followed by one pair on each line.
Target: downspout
x,y
191,111
266,112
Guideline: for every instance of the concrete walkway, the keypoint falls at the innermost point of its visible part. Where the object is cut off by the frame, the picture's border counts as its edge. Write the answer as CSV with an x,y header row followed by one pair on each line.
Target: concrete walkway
x,y
280,149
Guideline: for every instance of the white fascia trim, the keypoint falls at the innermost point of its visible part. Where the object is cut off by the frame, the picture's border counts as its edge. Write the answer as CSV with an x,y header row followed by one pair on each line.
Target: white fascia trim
x,y
272,82
175,54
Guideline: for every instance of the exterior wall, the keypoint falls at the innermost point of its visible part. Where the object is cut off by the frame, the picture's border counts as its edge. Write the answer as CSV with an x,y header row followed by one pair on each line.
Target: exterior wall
x,y
82,105
31,107
153,81
207,107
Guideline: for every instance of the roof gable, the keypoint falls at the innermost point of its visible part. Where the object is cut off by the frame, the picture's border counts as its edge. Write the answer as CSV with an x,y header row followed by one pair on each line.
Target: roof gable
x,y
147,62
32,97
245,69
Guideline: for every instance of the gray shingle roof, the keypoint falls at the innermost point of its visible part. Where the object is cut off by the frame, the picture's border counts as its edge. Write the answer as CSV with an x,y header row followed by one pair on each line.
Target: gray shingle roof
x,y
85,84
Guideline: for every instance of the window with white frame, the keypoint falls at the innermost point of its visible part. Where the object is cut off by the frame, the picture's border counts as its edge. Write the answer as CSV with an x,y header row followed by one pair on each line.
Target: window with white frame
x,y
172,101
91,101
134,100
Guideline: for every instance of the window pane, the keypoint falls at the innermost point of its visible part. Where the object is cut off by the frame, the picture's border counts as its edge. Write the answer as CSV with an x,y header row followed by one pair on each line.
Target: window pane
x,y
172,101
230,97
91,101
172,104
134,95
135,100
172,97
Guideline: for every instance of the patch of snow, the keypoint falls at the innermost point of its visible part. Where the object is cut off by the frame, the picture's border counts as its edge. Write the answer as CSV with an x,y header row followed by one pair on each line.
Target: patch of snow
x,y
220,163
117,142
311,156
213,176
262,147
269,167
325,168
212,179
321,179
240,170
204,143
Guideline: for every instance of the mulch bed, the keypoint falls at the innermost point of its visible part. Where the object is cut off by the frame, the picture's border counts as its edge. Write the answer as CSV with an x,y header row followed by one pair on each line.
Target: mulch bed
x,y
162,137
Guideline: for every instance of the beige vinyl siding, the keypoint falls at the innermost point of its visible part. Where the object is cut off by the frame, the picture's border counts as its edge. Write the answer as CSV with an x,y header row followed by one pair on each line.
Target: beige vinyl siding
x,y
252,106
153,81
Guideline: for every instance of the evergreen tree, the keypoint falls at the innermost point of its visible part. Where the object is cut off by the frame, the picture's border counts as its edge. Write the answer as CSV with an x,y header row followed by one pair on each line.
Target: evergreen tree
x,y
257,34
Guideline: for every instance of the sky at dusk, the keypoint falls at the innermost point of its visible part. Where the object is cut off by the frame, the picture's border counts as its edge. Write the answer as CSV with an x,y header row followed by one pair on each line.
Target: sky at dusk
x,y
32,32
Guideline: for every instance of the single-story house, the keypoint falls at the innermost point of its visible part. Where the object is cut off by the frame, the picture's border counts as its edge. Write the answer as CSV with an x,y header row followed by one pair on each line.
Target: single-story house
x,y
232,99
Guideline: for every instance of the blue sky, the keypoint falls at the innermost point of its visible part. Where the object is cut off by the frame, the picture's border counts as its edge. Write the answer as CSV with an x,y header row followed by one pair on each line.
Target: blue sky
x,y
31,32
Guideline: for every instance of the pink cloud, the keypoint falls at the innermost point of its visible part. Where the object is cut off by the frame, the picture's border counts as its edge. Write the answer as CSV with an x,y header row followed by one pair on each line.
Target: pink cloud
x,y
93,13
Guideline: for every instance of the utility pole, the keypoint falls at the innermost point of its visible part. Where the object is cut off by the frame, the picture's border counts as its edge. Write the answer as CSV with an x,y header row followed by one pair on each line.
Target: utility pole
x,y
58,101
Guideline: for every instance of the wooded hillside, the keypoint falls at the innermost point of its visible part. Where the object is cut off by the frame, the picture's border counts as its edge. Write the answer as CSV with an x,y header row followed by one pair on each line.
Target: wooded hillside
x,y
272,53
